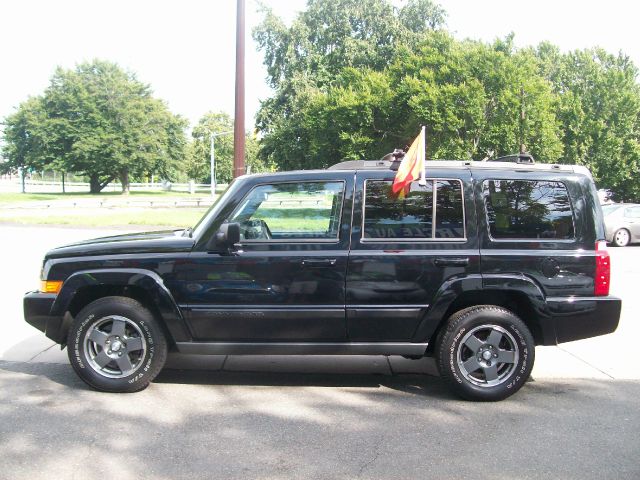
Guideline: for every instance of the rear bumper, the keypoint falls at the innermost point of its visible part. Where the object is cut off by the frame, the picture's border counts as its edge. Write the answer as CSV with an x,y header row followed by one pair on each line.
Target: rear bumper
x,y
37,313
575,318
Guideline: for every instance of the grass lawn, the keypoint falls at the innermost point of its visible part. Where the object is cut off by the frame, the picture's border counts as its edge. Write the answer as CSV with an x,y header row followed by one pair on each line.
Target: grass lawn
x,y
8,198
105,217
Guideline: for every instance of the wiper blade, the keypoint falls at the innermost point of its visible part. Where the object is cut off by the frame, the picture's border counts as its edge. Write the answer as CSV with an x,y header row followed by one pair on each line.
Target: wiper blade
x,y
188,232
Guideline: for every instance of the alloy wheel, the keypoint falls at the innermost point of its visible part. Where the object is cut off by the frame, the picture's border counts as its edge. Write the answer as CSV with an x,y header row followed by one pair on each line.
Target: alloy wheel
x,y
487,355
114,346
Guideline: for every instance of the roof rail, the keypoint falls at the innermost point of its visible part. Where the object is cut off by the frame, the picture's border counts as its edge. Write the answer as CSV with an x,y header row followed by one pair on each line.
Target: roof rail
x,y
522,158
362,164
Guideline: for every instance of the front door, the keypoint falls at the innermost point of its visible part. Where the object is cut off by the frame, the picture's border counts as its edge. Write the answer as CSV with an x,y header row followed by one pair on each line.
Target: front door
x,y
404,249
285,281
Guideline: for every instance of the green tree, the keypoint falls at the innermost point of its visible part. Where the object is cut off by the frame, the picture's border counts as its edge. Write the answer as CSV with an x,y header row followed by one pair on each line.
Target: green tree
x,y
199,159
468,94
305,59
598,104
24,137
100,121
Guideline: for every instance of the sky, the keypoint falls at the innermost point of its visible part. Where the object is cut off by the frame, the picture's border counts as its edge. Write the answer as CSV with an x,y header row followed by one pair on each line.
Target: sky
x,y
186,49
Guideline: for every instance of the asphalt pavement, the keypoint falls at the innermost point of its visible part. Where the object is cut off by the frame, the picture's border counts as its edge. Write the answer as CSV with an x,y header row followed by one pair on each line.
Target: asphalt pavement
x,y
312,417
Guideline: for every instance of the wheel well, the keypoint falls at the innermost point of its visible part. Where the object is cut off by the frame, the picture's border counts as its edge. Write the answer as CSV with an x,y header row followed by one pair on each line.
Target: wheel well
x,y
515,301
85,295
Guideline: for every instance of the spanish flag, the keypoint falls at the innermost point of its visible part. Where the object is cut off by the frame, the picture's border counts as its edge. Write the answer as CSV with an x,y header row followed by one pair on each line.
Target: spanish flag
x,y
412,166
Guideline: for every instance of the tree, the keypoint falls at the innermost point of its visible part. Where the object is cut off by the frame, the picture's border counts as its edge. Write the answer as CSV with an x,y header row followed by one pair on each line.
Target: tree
x,y
100,121
355,79
598,104
305,59
24,137
469,95
199,159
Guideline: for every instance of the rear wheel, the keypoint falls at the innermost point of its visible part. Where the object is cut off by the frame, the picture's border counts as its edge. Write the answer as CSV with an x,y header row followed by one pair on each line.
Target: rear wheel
x,y
621,238
116,345
485,353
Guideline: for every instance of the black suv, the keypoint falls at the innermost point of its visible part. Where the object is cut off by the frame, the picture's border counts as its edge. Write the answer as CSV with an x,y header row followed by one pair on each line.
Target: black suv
x,y
475,268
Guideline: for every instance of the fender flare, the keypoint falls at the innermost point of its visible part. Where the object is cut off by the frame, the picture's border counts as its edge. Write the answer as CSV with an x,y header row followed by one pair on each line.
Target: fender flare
x,y
506,283
148,280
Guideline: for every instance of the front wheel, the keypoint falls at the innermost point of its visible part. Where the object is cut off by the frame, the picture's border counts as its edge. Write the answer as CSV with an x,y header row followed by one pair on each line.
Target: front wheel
x,y
116,345
485,353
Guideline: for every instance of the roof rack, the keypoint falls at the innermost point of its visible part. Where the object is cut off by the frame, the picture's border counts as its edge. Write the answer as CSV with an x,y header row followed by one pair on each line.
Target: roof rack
x,y
522,158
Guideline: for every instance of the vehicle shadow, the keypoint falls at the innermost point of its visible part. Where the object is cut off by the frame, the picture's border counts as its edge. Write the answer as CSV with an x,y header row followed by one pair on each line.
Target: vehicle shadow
x,y
414,384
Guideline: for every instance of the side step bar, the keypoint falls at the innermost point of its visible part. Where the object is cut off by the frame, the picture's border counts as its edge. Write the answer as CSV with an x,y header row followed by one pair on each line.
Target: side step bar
x,y
301,348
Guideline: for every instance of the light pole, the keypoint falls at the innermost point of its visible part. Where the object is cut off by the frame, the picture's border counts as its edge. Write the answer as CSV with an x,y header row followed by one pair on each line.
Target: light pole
x,y
213,159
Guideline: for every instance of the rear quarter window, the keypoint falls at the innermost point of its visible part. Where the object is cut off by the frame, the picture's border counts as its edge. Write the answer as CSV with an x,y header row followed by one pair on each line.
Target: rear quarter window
x,y
528,210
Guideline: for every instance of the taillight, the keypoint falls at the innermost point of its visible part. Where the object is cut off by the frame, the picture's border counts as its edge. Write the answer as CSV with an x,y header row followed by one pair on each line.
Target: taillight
x,y
603,269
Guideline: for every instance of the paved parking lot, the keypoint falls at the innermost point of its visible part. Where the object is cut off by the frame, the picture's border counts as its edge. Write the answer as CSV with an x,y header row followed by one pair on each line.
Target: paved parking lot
x,y
320,417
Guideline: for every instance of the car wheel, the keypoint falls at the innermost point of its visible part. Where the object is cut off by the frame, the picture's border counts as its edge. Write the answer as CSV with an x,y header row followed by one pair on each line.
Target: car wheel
x,y
485,353
116,345
621,238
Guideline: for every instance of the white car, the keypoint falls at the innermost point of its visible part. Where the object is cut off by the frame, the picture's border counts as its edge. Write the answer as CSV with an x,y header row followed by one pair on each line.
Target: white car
x,y
622,223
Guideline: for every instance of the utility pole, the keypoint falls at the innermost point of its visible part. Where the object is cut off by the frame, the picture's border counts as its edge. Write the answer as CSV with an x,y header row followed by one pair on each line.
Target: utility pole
x,y
213,159
522,119
239,133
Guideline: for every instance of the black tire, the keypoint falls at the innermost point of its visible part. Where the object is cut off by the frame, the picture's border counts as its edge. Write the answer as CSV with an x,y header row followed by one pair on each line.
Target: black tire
x,y
471,366
116,330
622,237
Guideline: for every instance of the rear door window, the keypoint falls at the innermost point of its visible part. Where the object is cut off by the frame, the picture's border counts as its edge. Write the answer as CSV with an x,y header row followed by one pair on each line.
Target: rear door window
x,y
434,211
528,210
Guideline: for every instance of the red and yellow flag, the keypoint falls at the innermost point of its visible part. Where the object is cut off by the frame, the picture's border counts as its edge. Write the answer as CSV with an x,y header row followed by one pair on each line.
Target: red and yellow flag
x,y
411,167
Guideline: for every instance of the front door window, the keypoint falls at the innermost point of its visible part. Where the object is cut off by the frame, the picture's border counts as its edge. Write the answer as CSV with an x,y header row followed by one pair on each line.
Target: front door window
x,y
285,212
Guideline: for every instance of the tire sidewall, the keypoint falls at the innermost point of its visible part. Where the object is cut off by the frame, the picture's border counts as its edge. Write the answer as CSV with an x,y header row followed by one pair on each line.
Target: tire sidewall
x,y
137,314
524,343
615,241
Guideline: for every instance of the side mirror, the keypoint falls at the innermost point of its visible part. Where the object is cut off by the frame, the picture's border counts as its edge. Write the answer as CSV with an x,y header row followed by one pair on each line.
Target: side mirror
x,y
225,238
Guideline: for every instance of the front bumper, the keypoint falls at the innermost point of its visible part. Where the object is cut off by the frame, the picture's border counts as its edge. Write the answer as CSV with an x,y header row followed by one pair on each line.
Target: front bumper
x,y
37,312
575,318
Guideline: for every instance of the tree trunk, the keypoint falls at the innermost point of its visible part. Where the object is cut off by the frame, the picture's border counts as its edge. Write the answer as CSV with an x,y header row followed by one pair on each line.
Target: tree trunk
x,y
94,184
124,181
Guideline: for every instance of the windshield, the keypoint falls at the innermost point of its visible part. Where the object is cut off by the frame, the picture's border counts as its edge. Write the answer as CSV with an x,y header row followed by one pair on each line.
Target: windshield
x,y
212,212
609,209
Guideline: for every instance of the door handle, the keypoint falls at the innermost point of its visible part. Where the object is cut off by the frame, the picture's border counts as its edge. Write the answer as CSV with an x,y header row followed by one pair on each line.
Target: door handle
x,y
451,261
325,262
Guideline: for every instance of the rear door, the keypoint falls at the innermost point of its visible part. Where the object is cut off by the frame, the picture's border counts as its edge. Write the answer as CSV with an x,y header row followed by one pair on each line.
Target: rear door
x,y
404,249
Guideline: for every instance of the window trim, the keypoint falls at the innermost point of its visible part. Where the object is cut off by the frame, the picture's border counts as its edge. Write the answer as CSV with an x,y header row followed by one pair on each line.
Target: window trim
x,y
528,240
433,238
289,240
